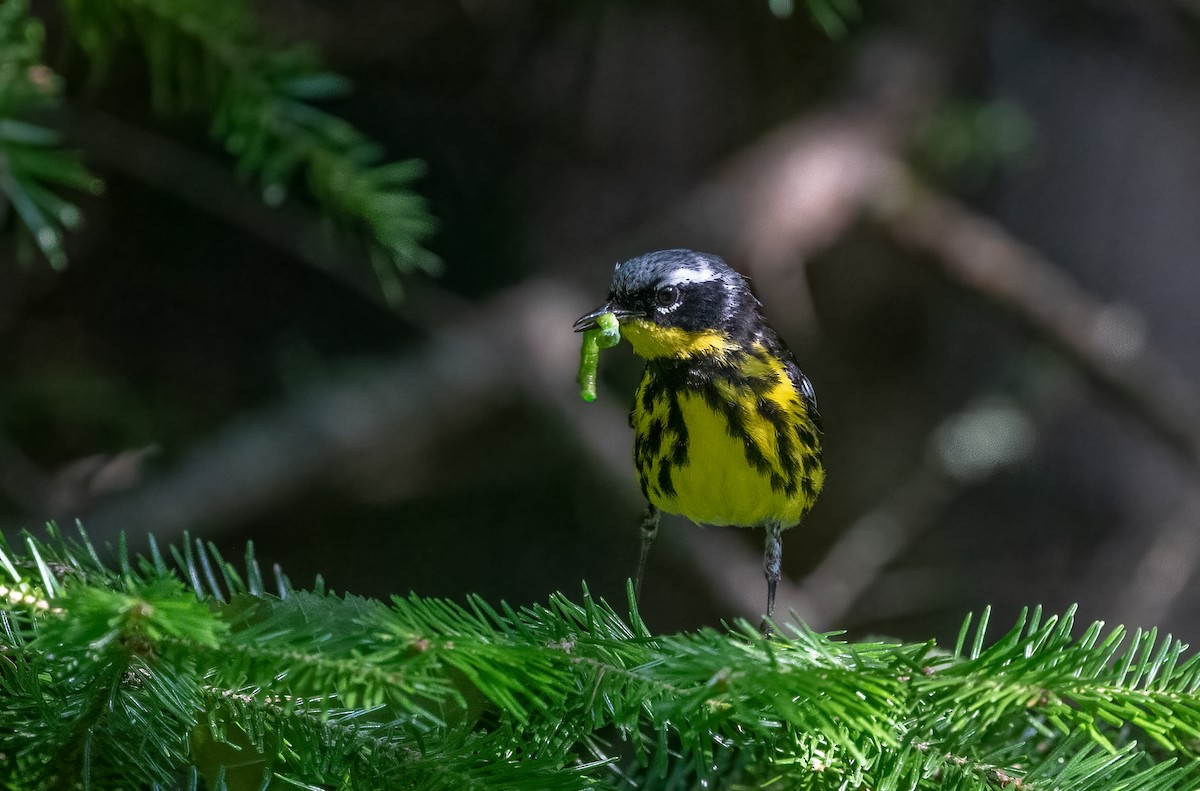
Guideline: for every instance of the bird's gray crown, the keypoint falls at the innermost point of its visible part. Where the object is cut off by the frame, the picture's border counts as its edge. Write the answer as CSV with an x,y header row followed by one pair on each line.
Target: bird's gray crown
x,y
671,267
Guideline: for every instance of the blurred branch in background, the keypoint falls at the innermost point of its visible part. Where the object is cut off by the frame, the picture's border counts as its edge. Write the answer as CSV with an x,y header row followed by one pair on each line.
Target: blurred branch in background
x,y
399,410
73,488
1106,343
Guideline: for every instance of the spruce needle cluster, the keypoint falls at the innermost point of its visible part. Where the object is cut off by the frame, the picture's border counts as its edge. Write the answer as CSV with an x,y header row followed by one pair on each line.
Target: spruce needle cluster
x,y
178,670
206,60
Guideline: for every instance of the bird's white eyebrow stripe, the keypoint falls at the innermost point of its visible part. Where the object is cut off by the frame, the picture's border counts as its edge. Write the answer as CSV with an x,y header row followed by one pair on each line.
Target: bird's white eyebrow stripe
x,y
686,274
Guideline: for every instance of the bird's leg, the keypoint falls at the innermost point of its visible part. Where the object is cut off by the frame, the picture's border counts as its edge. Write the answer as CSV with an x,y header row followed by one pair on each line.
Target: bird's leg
x,y
773,564
649,533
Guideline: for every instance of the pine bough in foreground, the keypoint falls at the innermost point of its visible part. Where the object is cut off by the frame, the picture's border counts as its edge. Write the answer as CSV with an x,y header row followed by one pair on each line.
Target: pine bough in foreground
x,y
176,671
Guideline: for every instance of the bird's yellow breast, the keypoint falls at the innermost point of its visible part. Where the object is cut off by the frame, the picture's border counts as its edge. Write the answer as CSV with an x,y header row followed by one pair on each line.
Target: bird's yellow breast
x,y
721,451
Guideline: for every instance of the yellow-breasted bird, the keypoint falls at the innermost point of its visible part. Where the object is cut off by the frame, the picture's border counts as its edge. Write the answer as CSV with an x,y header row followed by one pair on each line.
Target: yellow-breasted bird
x,y
727,431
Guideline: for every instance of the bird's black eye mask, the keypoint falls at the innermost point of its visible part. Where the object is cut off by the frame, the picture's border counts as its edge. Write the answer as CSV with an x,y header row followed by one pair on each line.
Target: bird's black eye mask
x,y
688,306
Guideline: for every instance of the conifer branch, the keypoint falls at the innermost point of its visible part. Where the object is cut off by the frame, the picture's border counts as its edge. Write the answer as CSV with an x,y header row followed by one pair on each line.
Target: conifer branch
x,y
34,167
126,675
208,58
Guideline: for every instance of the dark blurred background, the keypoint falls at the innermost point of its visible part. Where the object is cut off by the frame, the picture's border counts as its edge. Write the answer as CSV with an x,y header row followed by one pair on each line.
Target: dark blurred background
x,y
976,224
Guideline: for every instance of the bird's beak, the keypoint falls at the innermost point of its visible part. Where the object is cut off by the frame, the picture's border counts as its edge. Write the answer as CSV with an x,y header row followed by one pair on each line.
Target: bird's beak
x,y
588,320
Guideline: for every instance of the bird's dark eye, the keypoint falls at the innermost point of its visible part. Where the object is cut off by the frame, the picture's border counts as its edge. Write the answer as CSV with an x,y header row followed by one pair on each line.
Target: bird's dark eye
x,y
667,296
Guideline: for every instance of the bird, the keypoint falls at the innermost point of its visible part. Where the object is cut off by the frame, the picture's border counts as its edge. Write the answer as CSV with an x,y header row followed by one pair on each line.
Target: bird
x,y
726,428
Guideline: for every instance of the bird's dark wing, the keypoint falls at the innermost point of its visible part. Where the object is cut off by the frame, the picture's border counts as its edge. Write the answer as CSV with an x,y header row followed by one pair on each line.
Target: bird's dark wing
x,y
804,387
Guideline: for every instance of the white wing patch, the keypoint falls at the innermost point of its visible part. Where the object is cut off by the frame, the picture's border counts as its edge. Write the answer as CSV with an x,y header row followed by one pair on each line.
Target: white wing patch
x,y
686,274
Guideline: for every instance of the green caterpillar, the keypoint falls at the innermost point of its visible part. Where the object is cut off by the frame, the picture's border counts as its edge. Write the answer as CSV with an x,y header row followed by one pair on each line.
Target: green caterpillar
x,y
605,335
